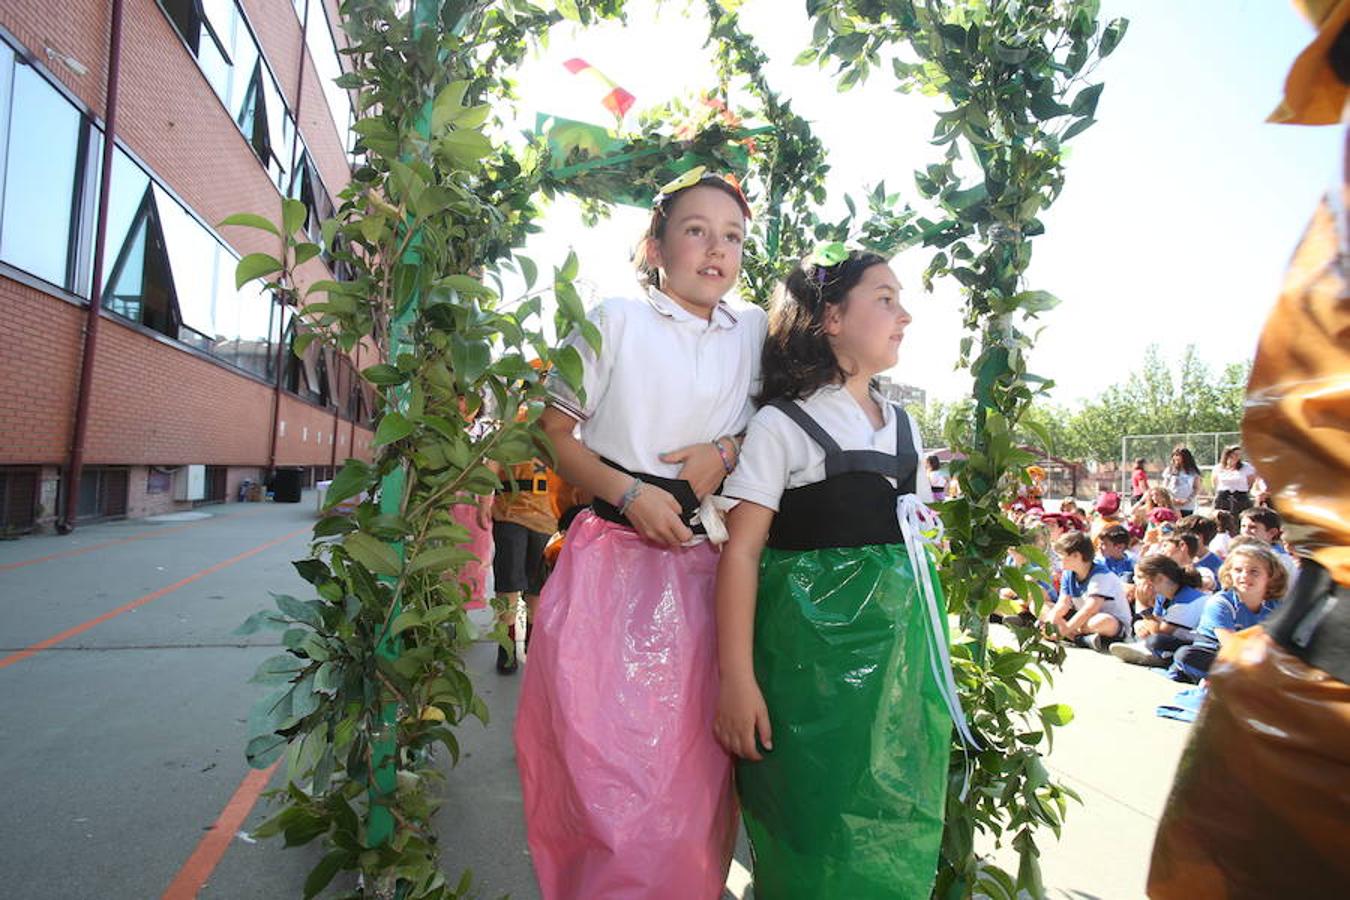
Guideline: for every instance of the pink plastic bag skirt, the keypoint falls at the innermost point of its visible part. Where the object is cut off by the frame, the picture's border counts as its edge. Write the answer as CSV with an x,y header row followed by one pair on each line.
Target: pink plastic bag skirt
x,y
627,793
474,575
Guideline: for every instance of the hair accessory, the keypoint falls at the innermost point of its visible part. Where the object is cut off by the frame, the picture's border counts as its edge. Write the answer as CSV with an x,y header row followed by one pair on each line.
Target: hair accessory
x,y
698,175
827,254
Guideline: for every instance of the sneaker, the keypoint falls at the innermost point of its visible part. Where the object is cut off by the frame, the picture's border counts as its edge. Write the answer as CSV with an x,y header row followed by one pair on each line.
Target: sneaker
x,y
1099,643
1081,641
506,662
1019,620
1137,655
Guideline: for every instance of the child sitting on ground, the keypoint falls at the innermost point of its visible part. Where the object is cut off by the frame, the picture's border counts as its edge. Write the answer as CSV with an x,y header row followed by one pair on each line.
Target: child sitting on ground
x,y
1091,611
1264,524
1183,547
1113,551
1253,580
1170,624
1205,529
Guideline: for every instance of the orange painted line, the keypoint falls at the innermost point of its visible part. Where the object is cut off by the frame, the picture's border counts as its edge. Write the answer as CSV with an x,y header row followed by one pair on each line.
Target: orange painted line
x,y
66,554
69,633
211,848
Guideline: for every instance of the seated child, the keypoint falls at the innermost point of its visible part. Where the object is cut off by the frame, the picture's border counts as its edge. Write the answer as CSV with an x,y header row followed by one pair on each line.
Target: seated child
x,y
1183,547
1206,529
1106,513
1113,545
1264,524
1091,610
1253,580
1171,623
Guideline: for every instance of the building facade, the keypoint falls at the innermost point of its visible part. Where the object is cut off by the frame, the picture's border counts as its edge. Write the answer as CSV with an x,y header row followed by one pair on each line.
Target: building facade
x,y
905,394
222,106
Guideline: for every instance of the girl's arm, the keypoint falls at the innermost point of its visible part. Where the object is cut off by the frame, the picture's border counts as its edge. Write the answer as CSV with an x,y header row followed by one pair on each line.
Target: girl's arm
x,y
655,513
741,711
703,466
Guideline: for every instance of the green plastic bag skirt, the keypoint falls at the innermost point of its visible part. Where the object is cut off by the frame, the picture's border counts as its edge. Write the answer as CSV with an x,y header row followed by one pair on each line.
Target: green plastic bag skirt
x,y
849,804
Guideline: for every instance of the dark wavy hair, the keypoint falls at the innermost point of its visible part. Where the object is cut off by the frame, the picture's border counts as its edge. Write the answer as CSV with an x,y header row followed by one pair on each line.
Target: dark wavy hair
x,y
1157,564
798,359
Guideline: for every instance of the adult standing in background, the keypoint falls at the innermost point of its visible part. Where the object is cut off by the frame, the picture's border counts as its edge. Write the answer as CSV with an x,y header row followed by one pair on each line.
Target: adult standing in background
x,y
1182,480
1138,481
1233,478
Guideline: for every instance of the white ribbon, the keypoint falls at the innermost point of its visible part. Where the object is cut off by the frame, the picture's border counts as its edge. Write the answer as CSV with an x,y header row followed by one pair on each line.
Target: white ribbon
x,y
712,516
915,518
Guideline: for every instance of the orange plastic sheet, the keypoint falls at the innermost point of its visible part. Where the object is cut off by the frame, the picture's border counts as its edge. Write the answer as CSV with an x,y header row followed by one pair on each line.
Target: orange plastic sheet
x,y
1261,803
1297,425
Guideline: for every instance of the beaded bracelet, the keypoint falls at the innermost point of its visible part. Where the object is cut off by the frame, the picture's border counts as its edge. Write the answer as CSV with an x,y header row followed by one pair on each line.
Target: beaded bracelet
x,y
629,496
726,458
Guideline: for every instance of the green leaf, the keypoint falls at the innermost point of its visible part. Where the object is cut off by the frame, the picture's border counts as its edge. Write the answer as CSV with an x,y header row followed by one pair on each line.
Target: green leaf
x,y
305,252
250,220
465,148
1085,102
375,555
350,481
1057,714
1112,36
528,269
470,358
962,200
438,559
569,11
299,610
1078,128
255,265
278,669
384,374
319,877
293,213
570,267
1035,301
393,427
569,364
266,618
264,749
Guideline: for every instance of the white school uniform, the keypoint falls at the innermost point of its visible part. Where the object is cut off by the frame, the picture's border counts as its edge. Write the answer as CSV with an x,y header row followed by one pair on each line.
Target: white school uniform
x,y
664,378
778,455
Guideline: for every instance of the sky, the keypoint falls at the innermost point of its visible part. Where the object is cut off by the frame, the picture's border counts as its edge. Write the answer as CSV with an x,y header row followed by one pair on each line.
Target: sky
x,y
1181,206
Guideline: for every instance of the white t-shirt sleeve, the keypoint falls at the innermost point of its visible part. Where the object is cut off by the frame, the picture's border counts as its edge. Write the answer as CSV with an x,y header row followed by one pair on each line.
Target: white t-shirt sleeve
x,y
764,467
1186,615
596,368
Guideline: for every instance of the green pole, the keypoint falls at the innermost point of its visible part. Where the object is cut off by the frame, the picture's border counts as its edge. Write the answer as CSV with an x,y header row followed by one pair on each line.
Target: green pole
x,y
384,748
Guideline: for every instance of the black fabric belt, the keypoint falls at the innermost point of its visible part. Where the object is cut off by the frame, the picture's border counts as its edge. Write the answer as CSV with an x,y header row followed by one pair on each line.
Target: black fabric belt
x,y
855,509
680,489
1313,621
528,485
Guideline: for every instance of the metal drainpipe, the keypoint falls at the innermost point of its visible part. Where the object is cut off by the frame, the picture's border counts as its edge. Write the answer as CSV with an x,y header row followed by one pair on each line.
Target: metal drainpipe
x,y
75,466
281,338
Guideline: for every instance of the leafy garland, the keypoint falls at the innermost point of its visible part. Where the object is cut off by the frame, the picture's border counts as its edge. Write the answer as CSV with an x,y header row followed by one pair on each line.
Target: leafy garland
x,y
1008,69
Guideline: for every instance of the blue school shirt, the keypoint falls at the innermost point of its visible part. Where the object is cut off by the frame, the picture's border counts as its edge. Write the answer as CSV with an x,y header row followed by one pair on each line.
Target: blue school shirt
x,y
1123,567
1211,561
1184,610
1225,610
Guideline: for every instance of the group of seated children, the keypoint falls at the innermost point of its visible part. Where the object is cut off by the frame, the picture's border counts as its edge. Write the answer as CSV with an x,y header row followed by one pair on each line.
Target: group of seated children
x,y
1168,597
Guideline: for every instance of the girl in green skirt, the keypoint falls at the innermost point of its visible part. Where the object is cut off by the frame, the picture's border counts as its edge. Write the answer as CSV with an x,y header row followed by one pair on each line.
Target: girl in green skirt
x,y
836,689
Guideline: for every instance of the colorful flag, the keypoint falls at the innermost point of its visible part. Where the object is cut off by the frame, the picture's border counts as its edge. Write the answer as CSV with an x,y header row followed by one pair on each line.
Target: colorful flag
x,y
616,100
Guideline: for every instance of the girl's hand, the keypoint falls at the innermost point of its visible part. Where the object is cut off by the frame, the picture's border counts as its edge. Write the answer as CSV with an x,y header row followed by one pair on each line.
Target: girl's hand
x,y
656,516
702,466
484,514
741,715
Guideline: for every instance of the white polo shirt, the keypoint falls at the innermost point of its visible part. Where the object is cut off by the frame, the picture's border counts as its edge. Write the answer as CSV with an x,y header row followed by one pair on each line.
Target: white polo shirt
x,y
664,378
778,455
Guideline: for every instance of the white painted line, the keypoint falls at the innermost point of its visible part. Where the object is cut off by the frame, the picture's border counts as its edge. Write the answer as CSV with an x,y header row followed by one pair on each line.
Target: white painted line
x,y
738,880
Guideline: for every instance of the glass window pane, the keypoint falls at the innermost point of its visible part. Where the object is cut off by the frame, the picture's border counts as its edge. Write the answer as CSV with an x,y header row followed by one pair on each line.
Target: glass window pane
x,y
129,184
280,129
192,259
327,65
245,54
39,178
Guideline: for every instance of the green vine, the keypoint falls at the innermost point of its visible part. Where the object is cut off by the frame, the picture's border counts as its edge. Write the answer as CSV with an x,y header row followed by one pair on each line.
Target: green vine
x,y
1008,69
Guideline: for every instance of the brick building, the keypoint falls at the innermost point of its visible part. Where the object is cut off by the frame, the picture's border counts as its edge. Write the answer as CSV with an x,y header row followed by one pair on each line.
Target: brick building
x,y
222,106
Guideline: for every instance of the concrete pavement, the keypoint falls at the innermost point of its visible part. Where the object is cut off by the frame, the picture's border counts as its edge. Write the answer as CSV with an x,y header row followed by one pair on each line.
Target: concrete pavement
x,y
123,742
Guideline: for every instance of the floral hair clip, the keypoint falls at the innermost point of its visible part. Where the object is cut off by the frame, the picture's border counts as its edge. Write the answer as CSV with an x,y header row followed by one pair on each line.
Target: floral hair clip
x,y
699,175
827,255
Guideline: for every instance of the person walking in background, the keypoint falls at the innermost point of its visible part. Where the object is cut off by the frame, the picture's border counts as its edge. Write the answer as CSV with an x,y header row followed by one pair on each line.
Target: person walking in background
x,y
1233,478
1182,480
937,479
1138,481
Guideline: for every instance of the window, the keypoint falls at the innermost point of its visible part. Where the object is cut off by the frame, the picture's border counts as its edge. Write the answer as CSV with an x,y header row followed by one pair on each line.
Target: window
x,y
103,493
328,67
45,165
218,36
307,187
18,499
168,272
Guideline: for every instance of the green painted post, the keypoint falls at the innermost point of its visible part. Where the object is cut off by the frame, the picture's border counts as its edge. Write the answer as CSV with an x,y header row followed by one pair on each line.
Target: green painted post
x,y
384,750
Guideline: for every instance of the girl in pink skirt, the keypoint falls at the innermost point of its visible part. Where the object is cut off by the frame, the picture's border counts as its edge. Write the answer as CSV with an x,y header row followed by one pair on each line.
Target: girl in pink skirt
x,y
627,794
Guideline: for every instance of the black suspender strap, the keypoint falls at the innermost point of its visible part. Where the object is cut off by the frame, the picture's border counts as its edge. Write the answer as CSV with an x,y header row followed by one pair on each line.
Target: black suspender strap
x,y
842,462
794,412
